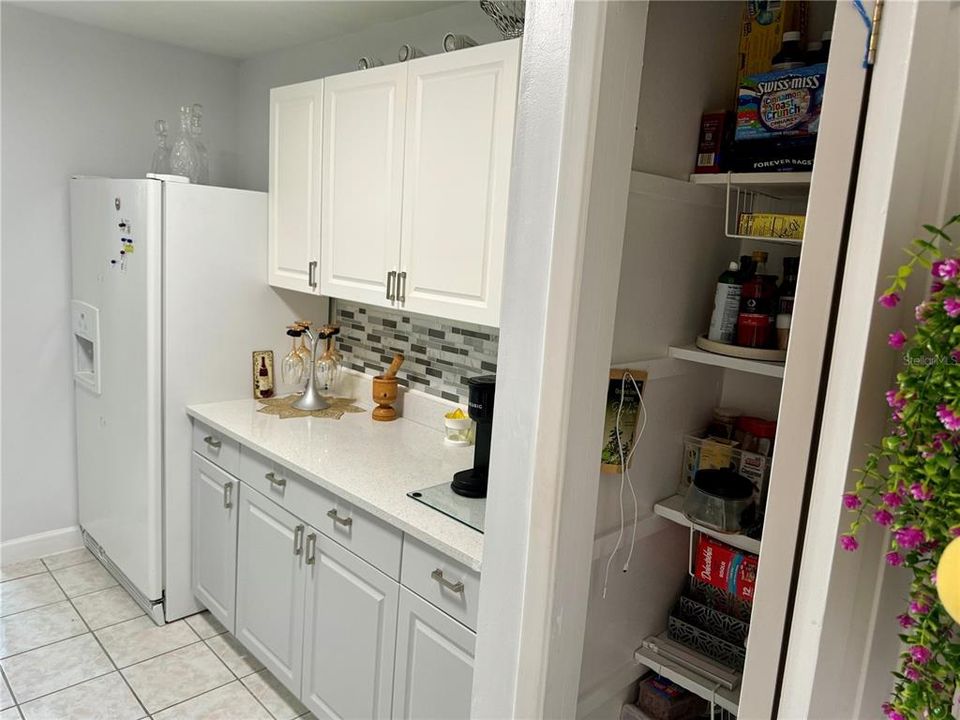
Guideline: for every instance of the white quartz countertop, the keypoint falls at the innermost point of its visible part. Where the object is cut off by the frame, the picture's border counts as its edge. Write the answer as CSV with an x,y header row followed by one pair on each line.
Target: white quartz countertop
x,y
370,464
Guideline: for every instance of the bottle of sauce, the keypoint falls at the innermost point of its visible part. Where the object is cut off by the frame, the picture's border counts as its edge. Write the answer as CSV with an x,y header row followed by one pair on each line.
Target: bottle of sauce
x,y
791,54
757,304
788,288
726,306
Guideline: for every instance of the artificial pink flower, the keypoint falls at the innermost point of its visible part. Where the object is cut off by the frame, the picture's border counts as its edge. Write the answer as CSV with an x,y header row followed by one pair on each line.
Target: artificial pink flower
x,y
952,306
897,340
936,286
890,712
955,531
955,355
884,519
894,559
911,673
892,500
946,269
851,501
920,654
906,621
849,543
889,300
909,537
896,400
920,493
949,418
919,607
920,312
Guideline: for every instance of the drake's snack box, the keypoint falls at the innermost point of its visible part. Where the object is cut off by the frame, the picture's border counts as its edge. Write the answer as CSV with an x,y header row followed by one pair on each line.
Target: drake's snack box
x,y
716,139
762,25
726,568
778,116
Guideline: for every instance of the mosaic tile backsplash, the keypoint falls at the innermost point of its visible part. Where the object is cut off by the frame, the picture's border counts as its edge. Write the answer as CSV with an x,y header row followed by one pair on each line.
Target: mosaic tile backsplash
x,y
441,355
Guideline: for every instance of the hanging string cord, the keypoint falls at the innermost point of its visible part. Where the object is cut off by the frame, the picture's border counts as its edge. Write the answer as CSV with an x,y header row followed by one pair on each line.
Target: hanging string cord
x,y
625,478
868,21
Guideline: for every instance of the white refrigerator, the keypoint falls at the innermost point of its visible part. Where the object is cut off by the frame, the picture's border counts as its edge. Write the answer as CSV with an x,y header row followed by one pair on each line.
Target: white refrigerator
x,y
170,299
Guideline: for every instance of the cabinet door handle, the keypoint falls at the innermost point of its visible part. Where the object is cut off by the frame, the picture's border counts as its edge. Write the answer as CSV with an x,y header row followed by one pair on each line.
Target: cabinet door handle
x,y
228,494
345,521
298,540
391,278
311,271
456,587
275,481
212,442
311,548
402,286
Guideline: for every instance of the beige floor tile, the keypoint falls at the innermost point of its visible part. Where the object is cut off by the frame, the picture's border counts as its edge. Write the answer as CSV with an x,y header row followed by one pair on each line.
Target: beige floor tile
x,y
54,667
41,626
275,697
11,714
83,578
230,702
234,655
107,607
12,571
6,697
68,558
104,698
176,676
27,593
139,639
205,624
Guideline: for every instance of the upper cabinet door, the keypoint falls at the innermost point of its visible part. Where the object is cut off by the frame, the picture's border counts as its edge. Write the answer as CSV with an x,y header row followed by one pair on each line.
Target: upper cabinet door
x,y
459,141
350,634
362,183
294,247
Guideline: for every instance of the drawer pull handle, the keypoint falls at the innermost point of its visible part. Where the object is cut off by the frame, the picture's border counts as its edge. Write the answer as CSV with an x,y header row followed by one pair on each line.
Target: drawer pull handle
x,y
228,494
311,548
456,587
298,540
212,442
275,481
345,521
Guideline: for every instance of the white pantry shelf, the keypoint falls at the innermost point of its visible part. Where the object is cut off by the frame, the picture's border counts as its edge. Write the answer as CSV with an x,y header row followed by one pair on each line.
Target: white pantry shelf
x,y
692,353
689,678
671,509
799,182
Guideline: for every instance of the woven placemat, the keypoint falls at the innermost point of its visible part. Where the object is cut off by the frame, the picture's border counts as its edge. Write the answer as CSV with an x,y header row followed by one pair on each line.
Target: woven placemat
x,y
283,408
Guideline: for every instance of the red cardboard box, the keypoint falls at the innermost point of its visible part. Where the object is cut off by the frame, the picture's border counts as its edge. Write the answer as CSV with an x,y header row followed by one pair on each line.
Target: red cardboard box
x,y
726,568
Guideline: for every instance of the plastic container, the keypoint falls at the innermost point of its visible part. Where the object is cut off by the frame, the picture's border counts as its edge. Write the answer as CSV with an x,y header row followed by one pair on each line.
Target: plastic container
x,y
702,453
458,431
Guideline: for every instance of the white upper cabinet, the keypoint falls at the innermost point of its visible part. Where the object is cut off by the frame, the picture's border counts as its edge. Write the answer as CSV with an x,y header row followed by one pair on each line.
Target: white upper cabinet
x,y
459,141
362,182
294,245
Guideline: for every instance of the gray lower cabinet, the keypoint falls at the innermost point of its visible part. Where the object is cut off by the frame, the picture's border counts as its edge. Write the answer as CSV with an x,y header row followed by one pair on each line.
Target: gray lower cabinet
x,y
213,525
350,634
270,586
434,667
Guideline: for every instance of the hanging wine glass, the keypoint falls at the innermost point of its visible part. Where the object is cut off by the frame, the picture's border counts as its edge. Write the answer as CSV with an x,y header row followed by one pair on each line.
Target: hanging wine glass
x,y
291,369
203,168
161,154
183,154
306,354
327,371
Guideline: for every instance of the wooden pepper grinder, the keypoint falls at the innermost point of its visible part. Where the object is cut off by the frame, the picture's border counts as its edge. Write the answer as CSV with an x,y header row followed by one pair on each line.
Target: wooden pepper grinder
x,y
385,391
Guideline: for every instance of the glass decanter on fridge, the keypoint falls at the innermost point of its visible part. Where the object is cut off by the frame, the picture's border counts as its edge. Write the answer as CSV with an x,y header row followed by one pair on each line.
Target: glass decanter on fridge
x,y
161,154
203,168
184,159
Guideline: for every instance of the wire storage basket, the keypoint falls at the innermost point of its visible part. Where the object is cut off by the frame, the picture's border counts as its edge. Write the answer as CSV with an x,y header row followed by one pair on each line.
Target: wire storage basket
x,y
507,15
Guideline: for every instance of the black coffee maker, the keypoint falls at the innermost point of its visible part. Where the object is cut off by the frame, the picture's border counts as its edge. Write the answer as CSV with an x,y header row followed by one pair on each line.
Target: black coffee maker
x,y
473,482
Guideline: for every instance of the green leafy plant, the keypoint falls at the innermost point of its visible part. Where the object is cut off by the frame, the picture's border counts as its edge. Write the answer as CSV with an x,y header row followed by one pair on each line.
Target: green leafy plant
x,y
910,484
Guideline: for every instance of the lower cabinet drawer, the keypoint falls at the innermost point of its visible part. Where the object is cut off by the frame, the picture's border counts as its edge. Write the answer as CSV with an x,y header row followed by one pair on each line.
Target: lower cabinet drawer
x,y
216,447
451,586
373,540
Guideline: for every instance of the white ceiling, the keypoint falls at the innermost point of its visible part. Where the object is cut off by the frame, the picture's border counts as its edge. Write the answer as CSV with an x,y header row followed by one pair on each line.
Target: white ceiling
x,y
234,29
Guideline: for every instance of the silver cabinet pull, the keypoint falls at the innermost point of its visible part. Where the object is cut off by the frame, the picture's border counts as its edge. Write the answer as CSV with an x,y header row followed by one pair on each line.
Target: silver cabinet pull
x,y
402,286
311,271
311,548
456,587
391,279
212,442
298,540
228,494
345,521
275,481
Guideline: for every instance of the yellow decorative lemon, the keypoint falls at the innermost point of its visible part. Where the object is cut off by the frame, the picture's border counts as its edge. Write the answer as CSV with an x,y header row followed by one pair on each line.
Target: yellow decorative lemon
x,y
948,579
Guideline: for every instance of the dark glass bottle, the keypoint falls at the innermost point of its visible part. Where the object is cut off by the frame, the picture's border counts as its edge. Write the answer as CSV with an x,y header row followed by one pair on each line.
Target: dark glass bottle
x,y
788,288
791,54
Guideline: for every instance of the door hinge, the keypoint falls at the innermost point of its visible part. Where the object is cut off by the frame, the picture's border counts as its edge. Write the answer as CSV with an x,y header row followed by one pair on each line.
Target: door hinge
x,y
874,32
